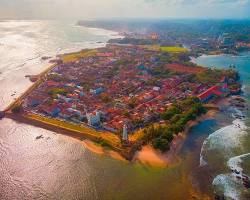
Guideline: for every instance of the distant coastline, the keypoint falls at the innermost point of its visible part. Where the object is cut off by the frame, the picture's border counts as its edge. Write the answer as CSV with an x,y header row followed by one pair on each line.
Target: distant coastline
x,y
82,133
146,155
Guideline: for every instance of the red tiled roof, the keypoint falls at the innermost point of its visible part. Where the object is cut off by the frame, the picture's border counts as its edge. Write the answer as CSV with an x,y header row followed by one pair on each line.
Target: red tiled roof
x,y
212,90
52,83
182,68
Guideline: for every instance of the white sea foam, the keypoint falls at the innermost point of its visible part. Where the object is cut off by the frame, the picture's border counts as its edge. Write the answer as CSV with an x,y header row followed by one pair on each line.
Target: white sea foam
x,y
202,161
225,139
225,183
243,88
234,163
235,112
228,141
99,31
228,184
23,43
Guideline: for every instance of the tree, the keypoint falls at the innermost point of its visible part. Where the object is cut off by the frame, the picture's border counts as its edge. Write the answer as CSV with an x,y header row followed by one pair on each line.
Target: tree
x,y
132,103
168,135
17,108
54,91
170,113
161,144
137,122
105,98
179,114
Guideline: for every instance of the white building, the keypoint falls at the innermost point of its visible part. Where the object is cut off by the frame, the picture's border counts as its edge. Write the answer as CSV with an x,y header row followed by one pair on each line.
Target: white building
x,y
94,119
125,133
156,88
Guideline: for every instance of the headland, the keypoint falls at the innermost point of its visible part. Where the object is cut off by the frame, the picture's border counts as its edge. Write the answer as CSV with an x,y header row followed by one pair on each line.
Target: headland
x,y
124,97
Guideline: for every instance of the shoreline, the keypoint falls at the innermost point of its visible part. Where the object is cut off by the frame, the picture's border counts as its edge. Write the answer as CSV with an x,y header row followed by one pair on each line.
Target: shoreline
x,y
80,135
29,89
155,158
146,155
98,149
94,45
156,164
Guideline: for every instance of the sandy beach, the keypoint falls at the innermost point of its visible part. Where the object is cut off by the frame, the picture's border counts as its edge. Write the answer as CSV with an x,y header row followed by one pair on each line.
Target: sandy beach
x,y
151,157
95,148
146,156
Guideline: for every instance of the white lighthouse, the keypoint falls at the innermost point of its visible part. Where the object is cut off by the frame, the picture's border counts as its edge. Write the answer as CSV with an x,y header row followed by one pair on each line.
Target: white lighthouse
x,y
125,133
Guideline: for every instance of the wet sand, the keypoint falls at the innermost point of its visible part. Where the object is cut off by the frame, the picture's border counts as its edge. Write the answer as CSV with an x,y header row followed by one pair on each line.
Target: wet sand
x,y
95,148
149,156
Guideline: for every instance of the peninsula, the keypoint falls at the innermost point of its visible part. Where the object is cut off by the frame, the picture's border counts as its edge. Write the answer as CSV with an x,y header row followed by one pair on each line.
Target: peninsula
x,y
123,96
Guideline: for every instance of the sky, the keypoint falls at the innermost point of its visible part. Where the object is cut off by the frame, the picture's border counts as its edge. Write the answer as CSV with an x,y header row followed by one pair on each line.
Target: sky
x,y
95,9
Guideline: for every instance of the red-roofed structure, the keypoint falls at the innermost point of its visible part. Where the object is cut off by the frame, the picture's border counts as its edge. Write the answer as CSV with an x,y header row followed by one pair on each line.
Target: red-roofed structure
x,y
187,69
52,84
209,93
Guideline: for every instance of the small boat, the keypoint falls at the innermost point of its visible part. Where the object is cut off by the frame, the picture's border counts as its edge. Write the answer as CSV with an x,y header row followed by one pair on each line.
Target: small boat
x,y
245,176
246,184
2,114
39,137
45,57
219,197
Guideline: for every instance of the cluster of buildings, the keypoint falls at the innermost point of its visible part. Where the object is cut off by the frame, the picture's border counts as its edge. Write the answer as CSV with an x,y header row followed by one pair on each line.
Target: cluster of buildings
x,y
117,89
224,43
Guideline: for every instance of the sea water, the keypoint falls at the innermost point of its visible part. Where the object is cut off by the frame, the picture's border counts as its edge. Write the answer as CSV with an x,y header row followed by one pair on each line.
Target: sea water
x,y
24,43
228,148
57,166
60,167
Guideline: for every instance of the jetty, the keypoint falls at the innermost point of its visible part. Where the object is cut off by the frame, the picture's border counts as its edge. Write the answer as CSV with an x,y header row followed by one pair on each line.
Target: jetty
x,y
2,114
38,81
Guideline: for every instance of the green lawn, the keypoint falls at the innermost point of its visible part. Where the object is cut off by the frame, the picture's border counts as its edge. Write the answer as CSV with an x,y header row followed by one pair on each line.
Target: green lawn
x,y
77,55
110,138
173,49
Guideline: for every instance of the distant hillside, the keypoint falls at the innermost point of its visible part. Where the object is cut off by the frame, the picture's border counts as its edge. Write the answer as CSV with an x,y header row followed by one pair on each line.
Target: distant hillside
x,y
184,30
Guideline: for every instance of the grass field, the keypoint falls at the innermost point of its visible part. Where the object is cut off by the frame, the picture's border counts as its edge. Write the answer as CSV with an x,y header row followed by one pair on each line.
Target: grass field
x,y
61,124
75,56
173,49
151,47
110,138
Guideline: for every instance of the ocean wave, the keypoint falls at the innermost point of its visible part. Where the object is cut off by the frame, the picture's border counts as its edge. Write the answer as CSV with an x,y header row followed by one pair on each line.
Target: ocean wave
x,y
230,184
225,184
227,139
234,163
243,88
22,52
105,32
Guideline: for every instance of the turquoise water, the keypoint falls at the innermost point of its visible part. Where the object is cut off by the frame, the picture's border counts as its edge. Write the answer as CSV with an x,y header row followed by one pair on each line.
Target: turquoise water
x,y
23,43
229,147
59,167
242,62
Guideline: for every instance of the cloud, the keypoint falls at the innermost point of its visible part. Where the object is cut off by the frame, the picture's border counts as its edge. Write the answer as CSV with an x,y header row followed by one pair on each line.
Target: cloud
x,y
197,2
82,9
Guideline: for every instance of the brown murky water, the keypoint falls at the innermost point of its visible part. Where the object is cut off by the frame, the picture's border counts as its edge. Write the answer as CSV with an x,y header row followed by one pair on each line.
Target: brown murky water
x,y
59,167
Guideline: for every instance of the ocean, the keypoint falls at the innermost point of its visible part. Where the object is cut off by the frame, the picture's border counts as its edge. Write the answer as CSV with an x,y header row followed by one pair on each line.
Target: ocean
x,y
60,167
228,148
23,43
